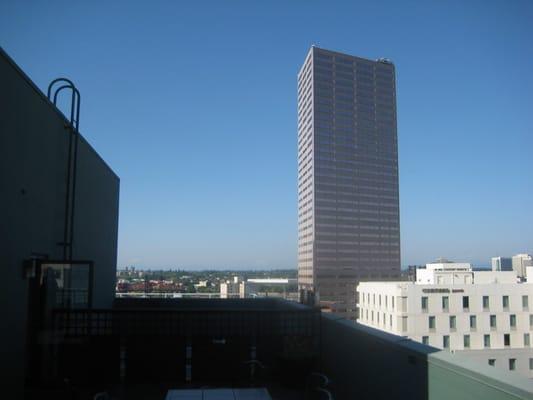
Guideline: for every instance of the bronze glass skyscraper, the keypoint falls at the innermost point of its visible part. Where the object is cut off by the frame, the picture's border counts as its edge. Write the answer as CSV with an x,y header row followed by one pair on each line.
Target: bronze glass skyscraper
x,y
348,212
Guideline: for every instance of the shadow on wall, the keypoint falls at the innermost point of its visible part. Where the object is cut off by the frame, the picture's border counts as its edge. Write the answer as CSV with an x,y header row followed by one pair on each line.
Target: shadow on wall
x,y
366,363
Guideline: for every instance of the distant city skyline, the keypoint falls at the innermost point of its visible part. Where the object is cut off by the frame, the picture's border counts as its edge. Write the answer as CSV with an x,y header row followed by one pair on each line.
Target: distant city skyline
x,y
194,107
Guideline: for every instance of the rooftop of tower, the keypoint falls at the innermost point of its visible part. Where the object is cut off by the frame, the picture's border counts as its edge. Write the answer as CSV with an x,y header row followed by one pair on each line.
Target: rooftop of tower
x,y
381,60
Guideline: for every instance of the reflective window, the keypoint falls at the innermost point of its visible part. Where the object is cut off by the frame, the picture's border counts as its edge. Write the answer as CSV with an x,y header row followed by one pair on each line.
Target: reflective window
x,y
445,303
66,285
505,301
424,303
466,302
452,322
485,302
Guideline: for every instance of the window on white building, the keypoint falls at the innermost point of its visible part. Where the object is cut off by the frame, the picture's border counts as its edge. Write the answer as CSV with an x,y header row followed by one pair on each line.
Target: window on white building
x,y
466,341
531,363
525,303
403,304
512,320
404,324
512,364
431,321
425,340
526,340
486,303
445,303
493,321
453,322
424,303
473,322
506,340
446,342
492,362
505,302
531,320
390,321
392,299
466,302
486,341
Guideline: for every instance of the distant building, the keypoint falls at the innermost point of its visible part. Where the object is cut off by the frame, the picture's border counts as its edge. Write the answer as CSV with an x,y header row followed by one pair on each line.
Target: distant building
x,y
273,281
520,262
348,212
230,288
202,284
250,288
485,315
502,264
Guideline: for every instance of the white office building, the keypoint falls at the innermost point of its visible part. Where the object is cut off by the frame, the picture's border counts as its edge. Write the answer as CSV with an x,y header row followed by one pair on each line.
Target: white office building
x,y
520,262
231,288
486,315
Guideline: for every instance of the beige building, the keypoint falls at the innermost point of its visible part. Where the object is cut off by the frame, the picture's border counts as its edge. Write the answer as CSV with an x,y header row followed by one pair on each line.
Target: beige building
x,y
484,315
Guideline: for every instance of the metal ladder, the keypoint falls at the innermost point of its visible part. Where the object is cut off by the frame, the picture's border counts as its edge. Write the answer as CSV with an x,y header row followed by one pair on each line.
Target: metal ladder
x,y
54,88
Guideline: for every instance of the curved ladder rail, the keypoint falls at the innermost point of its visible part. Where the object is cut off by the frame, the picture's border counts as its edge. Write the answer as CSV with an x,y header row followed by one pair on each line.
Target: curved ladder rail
x,y
52,94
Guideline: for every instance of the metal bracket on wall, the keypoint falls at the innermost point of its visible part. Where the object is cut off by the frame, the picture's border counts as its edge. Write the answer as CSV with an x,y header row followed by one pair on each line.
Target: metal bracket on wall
x,y
54,88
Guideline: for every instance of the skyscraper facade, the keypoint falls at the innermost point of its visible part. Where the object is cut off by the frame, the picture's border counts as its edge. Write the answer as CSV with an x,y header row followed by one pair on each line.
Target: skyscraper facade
x,y
348,211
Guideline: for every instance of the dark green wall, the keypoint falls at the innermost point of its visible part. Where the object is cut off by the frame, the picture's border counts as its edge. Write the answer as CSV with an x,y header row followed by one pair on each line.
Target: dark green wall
x,y
33,151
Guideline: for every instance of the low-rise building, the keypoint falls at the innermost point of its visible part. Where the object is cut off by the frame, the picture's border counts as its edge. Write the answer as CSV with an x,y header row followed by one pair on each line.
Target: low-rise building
x,y
231,288
486,315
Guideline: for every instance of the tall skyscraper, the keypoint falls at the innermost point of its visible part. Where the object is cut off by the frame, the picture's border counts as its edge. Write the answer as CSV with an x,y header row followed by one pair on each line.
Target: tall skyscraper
x,y
348,212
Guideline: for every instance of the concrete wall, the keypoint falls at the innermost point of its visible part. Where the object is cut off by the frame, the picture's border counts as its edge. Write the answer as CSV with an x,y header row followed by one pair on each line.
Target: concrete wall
x,y
33,151
501,358
451,376
364,363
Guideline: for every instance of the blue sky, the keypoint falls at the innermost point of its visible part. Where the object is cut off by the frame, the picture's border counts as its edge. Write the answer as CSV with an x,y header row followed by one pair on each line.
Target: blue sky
x,y
194,106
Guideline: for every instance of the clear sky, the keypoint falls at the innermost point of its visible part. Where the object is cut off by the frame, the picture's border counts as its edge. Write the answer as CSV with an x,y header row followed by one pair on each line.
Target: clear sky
x,y
194,106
